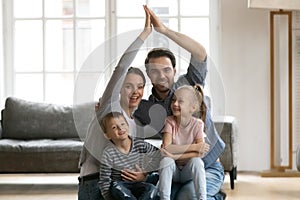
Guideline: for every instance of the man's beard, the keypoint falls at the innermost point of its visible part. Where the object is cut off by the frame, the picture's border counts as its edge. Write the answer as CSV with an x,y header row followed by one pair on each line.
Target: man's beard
x,y
161,88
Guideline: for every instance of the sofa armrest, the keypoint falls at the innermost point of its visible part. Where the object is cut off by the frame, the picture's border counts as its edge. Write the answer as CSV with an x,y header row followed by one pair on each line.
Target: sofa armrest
x,y
298,158
1,124
226,127
0,131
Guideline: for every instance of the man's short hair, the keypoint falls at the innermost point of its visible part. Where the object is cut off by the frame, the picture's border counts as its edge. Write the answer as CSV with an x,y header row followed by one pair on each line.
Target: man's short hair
x,y
160,52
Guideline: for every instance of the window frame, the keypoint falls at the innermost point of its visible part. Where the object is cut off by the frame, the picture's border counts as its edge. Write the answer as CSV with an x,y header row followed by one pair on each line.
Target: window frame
x,y
110,21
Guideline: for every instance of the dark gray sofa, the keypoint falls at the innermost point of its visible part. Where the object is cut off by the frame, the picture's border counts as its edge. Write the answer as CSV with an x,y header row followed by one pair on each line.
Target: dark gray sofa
x,y
45,138
40,137
227,128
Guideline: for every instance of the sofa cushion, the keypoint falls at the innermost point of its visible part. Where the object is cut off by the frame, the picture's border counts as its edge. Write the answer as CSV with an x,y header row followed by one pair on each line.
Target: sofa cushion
x,y
40,156
31,120
42,145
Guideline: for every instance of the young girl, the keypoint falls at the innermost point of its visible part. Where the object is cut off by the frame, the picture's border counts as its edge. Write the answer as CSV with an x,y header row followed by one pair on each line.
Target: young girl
x,y
183,136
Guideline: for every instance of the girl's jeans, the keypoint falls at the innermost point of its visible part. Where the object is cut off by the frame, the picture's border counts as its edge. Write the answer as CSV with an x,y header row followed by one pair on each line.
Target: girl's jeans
x,y
214,183
192,170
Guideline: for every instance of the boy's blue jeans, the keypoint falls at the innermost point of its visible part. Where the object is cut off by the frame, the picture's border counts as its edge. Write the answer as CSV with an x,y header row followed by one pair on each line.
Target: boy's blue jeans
x,y
133,190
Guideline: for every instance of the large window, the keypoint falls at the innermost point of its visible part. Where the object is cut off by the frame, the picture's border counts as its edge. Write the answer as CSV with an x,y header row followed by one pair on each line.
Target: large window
x,y
48,41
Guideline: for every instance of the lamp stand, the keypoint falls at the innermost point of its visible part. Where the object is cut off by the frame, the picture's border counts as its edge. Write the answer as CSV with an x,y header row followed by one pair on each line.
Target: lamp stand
x,y
280,108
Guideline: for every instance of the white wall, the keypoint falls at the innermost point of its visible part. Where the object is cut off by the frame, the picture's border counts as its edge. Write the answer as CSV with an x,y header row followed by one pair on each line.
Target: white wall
x,y
244,65
1,61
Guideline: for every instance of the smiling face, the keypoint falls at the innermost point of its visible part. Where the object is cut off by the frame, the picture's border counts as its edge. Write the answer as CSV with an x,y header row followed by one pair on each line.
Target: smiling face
x,y
132,91
182,104
116,128
161,73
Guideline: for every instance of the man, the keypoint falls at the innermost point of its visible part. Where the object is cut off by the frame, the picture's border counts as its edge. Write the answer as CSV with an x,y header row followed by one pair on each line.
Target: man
x,y
160,68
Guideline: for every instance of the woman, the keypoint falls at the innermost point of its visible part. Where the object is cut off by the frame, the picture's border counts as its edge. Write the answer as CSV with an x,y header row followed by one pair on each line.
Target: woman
x,y
129,85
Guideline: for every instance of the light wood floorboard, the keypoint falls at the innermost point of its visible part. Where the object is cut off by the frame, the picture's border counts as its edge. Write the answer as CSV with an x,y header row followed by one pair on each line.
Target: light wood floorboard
x,y
251,186
64,187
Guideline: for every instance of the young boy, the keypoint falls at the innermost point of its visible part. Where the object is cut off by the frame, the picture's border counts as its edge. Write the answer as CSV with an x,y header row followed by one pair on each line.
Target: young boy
x,y
125,152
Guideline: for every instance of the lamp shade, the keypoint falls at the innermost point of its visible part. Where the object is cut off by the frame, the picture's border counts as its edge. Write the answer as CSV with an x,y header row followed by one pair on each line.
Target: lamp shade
x,y
275,4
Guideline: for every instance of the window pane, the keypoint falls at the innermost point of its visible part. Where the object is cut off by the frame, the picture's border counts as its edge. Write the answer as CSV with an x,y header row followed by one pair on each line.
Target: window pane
x,y
157,39
194,7
135,8
28,8
164,8
125,25
59,88
90,8
140,59
28,47
29,86
171,23
59,8
89,86
59,47
90,34
198,29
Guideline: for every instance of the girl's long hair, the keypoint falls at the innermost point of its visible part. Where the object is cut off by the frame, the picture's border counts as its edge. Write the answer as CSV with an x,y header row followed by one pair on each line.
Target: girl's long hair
x,y
202,106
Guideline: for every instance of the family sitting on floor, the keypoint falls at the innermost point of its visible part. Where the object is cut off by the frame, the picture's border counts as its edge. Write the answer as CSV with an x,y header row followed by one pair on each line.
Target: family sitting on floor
x,y
116,162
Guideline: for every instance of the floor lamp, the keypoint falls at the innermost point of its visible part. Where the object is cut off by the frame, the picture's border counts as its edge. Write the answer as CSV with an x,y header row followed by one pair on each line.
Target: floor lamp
x,y
281,83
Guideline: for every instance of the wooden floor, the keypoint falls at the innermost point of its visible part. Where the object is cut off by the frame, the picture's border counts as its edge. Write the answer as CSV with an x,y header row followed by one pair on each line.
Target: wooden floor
x,y
64,187
253,187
